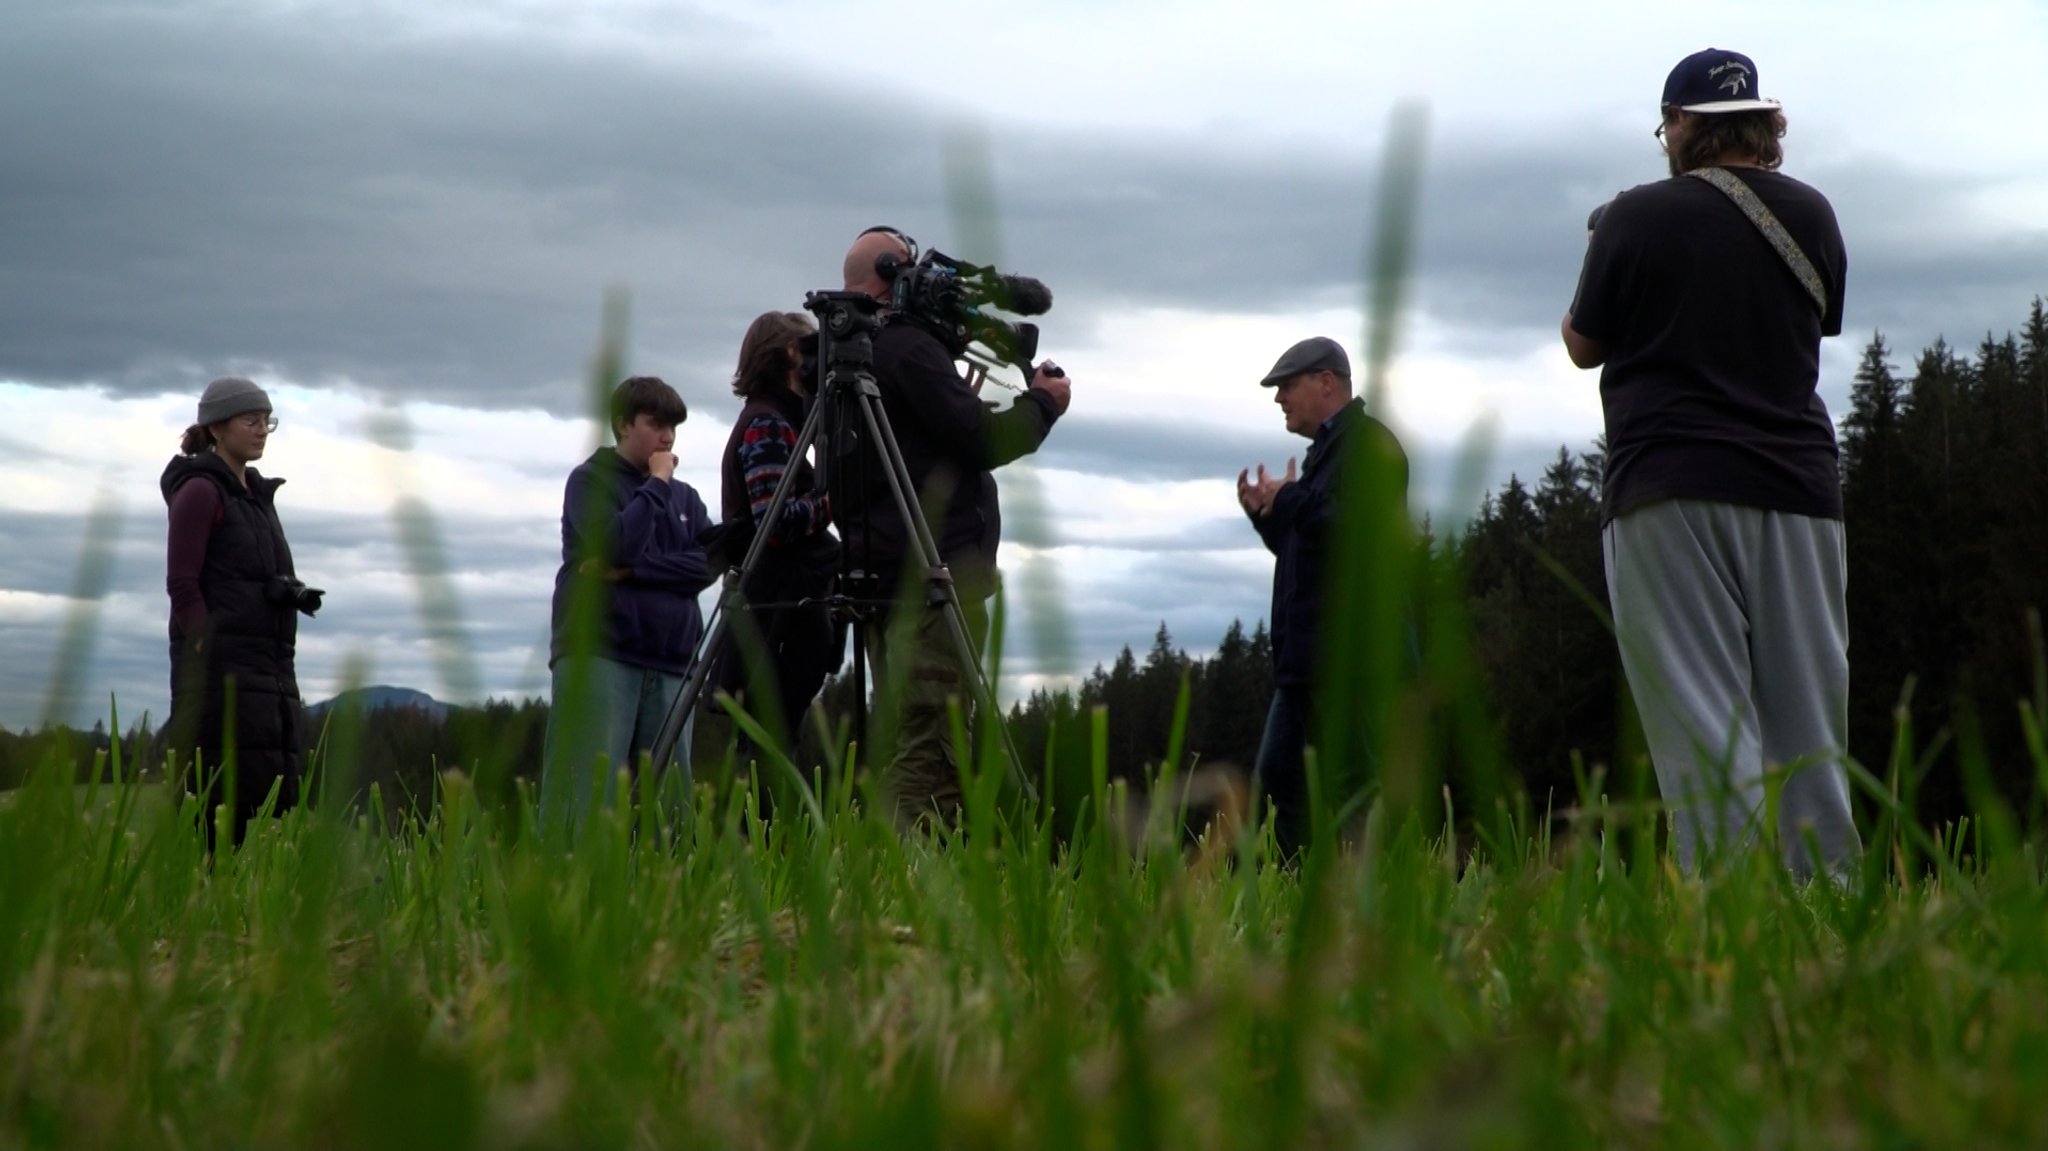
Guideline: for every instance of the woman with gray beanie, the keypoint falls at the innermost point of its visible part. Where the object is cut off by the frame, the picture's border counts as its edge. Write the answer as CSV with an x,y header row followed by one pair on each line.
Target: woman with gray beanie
x,y
235,599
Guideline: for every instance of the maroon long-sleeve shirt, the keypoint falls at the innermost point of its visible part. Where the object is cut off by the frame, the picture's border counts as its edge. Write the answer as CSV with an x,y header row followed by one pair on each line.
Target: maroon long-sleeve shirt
x,y
195,512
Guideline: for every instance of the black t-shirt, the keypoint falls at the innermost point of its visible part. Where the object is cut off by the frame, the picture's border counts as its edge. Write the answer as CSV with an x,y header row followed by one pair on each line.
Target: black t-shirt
x,y
1713,347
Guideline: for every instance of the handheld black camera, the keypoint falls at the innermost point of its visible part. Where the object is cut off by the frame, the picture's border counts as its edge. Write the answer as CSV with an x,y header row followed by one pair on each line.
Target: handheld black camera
x,y
283,589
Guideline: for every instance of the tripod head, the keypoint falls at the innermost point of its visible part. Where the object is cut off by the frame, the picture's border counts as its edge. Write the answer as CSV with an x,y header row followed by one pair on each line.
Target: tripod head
x,y
845,374
847,323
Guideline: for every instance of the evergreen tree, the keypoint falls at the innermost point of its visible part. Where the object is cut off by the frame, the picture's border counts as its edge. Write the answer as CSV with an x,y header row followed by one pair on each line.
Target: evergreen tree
x,y
1229,713
1881,509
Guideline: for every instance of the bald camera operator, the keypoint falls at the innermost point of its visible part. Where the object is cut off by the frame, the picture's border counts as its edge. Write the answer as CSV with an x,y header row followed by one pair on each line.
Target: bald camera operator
x,y
951,444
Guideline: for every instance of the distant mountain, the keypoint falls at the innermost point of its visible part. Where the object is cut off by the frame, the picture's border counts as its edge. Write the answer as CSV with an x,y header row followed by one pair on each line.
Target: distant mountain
x,y
380,697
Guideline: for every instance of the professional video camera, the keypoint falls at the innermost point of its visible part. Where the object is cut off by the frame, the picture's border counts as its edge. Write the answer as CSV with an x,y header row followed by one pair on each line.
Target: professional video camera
x,y
954,300
846,417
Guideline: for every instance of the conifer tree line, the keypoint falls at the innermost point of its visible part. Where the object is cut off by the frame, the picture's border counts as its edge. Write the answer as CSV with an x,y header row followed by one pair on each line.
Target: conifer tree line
x,y
1945,492
1945,495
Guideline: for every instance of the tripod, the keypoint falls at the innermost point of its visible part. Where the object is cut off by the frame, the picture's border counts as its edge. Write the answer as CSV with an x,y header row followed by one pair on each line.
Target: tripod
x,y
848,401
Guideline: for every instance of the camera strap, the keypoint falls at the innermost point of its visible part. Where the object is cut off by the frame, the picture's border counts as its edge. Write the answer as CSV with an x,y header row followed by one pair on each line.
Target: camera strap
x,y
1767,222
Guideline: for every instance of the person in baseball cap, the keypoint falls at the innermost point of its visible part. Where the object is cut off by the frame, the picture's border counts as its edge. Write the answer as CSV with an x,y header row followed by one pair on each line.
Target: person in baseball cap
x,y
1292,514
1711,116
1703,300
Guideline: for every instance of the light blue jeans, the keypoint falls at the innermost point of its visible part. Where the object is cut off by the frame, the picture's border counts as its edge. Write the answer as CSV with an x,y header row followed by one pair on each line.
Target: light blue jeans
x,y
603,726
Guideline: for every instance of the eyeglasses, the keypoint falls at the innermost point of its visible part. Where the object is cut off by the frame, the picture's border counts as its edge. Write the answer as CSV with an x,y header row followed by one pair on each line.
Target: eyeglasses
x,y
1662,124
255,420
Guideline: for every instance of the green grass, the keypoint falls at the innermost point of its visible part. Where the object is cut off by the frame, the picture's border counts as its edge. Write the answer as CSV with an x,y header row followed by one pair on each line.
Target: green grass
x,y
823,984
1037,982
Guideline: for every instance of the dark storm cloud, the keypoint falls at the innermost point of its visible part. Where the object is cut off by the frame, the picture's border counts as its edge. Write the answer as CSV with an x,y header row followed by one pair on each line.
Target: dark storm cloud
x,y
187,192
184,192
431,218
1503,236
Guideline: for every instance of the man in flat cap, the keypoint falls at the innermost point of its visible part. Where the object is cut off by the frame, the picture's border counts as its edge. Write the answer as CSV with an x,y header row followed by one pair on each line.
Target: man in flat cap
x,y
1703,300
1294,515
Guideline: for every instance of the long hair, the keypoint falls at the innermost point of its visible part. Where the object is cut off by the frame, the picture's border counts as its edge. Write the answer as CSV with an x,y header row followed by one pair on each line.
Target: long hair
x,y
765,361
1711,136
198,438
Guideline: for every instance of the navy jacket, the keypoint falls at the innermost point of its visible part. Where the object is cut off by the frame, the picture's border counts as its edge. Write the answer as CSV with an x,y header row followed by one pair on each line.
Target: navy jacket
x,y
647,569
1296,531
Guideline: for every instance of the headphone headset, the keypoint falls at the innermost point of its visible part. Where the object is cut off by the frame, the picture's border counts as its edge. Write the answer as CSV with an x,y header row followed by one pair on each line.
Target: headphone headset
x,y
888,264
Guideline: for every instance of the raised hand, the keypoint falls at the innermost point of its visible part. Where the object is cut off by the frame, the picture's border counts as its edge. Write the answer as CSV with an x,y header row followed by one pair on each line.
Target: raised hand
x,y
1256,495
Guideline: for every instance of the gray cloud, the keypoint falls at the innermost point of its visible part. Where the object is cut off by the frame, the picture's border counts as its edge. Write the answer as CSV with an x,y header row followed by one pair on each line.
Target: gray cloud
x,y
185,191
501,573
1157,449
425,217
188,191
1120,581
1196,595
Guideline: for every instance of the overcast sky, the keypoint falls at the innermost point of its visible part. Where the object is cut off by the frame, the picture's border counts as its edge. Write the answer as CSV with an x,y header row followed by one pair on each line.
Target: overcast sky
x,y
402,219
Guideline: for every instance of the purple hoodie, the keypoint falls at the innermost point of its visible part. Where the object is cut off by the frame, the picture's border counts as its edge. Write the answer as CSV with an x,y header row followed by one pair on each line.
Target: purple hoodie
x,y
649,570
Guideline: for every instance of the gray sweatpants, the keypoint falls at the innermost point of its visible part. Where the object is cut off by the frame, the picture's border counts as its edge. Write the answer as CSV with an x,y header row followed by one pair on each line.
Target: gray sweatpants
x,y
1735,638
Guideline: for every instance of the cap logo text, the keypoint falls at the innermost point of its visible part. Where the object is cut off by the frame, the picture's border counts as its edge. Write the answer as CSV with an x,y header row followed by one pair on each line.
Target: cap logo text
x,y
1736,80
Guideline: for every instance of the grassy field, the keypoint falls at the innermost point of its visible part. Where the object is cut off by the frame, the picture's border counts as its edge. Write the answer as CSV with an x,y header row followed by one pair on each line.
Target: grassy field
x,y
822,983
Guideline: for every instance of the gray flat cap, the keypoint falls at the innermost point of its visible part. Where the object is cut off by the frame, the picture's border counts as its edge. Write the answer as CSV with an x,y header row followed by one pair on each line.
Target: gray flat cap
x,y
230,396
1315,354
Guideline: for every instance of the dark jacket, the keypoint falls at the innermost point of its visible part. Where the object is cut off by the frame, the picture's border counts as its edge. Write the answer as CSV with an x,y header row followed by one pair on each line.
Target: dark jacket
x,y
251,637
632,540
800,642
951,442
1296,530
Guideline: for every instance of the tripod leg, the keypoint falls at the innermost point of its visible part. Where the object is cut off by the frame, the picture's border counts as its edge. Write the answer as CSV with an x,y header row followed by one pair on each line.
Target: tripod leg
x,y
672,722
733,598
941,591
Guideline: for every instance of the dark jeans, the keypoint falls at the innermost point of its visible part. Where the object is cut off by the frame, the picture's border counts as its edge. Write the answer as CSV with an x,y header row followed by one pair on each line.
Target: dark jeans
x,y
777,653
1281,772
780,658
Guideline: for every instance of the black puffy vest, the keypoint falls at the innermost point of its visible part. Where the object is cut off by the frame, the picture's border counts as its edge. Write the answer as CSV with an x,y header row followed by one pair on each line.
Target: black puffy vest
x,y
253,637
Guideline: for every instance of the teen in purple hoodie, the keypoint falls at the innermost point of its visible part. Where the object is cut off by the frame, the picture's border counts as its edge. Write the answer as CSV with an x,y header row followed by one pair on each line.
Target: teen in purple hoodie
x,y
625,617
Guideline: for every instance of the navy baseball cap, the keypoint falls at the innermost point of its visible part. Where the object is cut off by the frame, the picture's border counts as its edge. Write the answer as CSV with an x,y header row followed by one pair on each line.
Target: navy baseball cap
x,y
1715,80
1315,354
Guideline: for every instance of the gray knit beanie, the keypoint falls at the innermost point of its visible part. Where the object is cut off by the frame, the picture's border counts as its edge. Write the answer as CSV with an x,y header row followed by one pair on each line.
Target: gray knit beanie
x,y
228,397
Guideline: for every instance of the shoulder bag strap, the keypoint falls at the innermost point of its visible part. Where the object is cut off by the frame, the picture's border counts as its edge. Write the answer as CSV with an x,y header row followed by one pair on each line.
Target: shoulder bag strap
x,y
1746,198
